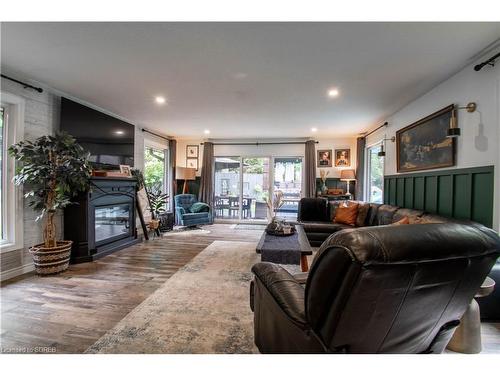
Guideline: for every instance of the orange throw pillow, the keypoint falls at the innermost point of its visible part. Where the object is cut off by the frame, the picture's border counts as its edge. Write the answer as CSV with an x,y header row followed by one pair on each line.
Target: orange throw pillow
x,y
402,221
346,215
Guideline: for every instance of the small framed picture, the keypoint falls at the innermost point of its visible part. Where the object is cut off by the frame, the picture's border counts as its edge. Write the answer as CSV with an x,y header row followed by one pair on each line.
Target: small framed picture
x,y
343,157
324,158
192,163
192,151
125,169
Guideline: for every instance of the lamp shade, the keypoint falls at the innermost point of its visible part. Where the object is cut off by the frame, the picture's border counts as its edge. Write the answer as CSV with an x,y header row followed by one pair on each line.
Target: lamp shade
x,y
182,173
347,175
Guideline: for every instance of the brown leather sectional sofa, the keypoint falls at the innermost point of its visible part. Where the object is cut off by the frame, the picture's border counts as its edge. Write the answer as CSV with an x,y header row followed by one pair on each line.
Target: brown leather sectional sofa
x,y
316,215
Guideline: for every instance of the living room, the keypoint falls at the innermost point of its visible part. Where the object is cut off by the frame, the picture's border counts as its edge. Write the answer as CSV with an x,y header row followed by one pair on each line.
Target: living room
x,y
250,187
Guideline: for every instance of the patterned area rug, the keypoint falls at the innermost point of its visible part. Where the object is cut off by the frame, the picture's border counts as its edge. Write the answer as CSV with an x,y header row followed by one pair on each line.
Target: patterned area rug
x,y
203,308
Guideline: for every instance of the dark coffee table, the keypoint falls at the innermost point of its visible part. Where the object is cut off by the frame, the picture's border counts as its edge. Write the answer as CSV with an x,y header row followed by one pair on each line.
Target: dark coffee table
x,y
296,241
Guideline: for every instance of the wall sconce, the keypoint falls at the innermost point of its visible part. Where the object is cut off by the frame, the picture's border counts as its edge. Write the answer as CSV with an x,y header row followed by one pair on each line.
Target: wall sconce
x,y
454,130
382,151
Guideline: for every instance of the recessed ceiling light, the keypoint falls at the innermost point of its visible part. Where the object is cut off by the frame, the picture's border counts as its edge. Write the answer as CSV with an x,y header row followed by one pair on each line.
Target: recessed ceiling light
x,y
119,132
314,130
333,93
206,131
160,100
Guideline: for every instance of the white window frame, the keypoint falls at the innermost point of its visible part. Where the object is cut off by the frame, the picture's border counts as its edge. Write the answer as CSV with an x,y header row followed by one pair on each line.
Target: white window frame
x,y
367,187
12,195
148,143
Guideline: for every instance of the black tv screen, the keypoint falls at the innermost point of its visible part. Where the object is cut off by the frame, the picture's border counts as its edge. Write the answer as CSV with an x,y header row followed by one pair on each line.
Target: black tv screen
x,y
109,141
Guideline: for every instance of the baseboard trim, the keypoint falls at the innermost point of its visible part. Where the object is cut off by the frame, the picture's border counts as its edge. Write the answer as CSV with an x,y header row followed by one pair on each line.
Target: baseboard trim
x,y
9,274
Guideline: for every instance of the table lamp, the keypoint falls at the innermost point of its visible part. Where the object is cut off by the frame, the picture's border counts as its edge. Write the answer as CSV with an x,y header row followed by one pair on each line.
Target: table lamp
x,y
186,174
348,176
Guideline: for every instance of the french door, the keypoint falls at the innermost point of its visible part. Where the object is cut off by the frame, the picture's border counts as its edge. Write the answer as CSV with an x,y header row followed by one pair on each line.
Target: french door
x,y
243,186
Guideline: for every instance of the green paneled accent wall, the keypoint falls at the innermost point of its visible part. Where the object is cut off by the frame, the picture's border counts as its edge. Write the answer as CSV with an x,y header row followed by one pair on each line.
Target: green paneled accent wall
x,y
465,193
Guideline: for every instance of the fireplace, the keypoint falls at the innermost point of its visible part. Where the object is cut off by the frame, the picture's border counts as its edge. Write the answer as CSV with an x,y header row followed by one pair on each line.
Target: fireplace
x,y
103,220
112,222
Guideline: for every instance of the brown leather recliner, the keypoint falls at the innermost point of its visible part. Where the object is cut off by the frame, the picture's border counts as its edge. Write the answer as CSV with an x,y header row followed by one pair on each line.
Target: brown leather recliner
x,y
388,289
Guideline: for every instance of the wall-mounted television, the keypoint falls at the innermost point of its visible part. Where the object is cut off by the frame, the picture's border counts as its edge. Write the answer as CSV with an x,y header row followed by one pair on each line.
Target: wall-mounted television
x,y
109,141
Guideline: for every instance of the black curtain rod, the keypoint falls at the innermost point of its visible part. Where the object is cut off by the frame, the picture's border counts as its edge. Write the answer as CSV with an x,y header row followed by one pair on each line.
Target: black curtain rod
x,y
490,61
157,135
374,130
26,85
259,143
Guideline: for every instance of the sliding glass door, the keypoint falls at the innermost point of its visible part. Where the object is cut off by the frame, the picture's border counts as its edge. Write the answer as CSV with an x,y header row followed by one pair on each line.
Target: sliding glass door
x,y
288,180
227,187
255,188
244,184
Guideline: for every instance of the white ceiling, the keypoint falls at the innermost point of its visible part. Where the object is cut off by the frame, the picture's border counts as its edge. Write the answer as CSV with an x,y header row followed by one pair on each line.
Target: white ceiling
x,y
245,80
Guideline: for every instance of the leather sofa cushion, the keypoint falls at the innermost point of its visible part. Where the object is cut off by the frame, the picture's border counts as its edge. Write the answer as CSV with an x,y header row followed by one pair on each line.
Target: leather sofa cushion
x,y
363,209
313,209
371,218
323,227
385,214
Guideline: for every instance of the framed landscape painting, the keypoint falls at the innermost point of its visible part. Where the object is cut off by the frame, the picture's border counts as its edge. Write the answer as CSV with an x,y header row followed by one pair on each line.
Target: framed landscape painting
x,y
424,144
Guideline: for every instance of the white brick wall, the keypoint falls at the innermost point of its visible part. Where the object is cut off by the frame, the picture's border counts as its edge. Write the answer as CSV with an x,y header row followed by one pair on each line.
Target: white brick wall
x,y
41,118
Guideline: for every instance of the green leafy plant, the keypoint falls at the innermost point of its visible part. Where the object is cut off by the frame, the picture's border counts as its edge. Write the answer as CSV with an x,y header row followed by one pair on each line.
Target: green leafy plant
x,y
53,170
157,200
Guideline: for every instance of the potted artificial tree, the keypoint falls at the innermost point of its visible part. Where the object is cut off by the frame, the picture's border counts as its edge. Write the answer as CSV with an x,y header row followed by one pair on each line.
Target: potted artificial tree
x,y
53,170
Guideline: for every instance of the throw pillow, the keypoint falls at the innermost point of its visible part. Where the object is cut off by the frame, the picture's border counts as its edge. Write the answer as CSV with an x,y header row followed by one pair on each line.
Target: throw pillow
x,y
199,207
402,221
346,214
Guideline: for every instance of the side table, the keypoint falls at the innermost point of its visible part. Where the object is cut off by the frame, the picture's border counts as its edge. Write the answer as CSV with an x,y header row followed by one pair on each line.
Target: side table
x,y
467,337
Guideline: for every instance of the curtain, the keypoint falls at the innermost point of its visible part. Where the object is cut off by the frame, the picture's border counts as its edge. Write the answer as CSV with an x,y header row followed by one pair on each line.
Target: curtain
x,y
310,170
360,168
206,193
172,150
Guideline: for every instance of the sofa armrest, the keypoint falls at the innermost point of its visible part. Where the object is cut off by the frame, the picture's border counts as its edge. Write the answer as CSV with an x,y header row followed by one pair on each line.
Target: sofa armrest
x,y
301,277
180,211
286,291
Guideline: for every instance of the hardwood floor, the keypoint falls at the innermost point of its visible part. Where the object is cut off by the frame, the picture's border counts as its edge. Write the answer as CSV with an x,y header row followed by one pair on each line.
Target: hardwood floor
x,y
70,311
67,313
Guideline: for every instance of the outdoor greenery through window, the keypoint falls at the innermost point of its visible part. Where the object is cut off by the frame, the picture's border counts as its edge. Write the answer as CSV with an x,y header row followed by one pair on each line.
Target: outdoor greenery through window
x,y
375,175
155,169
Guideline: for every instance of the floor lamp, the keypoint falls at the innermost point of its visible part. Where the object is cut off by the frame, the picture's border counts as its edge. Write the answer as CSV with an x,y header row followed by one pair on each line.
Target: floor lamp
x,y
348,176
186,174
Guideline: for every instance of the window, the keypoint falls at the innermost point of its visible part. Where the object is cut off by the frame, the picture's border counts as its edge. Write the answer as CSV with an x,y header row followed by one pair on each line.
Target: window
x,y
11,205
156,168
374,174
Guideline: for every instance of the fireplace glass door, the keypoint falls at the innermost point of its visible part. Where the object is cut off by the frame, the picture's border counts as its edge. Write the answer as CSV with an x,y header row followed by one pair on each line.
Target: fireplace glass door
x,y
112,222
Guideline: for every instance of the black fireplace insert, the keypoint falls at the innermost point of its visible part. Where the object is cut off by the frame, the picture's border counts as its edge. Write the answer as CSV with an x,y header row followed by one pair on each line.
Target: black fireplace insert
x,y
103,220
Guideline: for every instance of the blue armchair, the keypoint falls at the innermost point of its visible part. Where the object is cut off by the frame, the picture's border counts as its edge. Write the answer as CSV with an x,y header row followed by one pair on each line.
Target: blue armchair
x,y
184,215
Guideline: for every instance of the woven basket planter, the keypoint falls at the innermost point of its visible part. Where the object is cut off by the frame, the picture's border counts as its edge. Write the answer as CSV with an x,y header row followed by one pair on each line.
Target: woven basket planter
x,y
51,260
